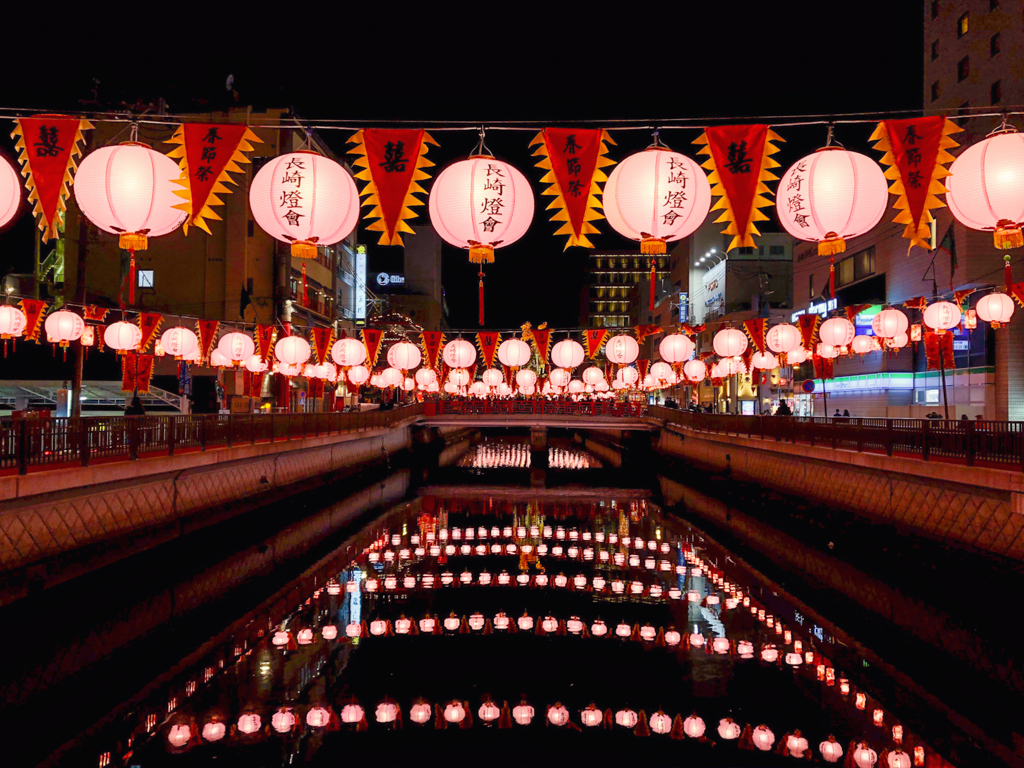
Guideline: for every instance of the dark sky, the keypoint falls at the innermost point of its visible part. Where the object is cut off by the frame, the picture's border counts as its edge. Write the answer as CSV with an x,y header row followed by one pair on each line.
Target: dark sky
x,y
538,62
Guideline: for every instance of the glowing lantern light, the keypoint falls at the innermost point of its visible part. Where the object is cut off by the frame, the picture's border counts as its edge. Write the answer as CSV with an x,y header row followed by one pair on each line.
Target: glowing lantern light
x,y
897,758
694,727
459,353
675,348
764,361
844,195
489,711
720,645
827,351
831,750
10,191
478,388
404,356
319,717
986,187
526,378
591,717
283,721
329,632
348,352
12,322
559,377
122,336
358,375
237,347
796,745
794,659
64,327
352,714
695,371
995,308
622,349
837,332
627,718
293,350
627,376
179,342
770,654
214,731
942,315
763,738
729,729
392,377
598,628
889,323
492,377
567,354
352,629
662,371
523,713
179,735
661,723
730,342
643,184
514,353
325,212
249,723
558,715
128,190
304,636
862,345
593,375
864,756
783,338
420,712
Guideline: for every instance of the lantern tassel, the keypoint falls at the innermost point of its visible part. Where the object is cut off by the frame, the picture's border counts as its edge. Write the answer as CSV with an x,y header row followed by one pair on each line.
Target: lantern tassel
x,y
480,294
1008,274
1007,235
832,244
832,277
650,245
131,274
653,276
480,253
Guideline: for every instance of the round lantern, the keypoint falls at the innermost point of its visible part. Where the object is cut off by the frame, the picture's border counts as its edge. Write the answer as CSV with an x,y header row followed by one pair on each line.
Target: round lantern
x,y
601,386
249,723
526,378
122,336
730,342
661,723
628,376
425,377
348,352
64,327
837,332
729,729
985,188
796,745
459,377
237,347
889,323
675,348
10,191
763,738
523,713
214,731
593,376
293,350
455,712
352,713
864,756
492,377
489,711
12,322
830,196
764,361
478,388
662,372
621,350
283,721
656,196
404,356
392,377
567,354
897,758
179,342
318,717
178,736
591,717
558,715
627,718
479,203
514,353
304,199
783,338
386,712
693,727
359,375
695,371
459,353
831,750
575,386
329,631
559,377
899,341
861,345
129,190
995,308
942,315
420,712
797,356
528,390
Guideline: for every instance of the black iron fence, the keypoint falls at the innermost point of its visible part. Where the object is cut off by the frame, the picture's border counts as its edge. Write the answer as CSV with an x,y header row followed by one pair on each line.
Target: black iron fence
x,y
998,443
33,442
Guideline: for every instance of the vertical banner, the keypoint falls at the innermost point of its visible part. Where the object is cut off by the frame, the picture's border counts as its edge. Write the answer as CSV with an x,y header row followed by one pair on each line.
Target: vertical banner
x,y
593,340
207,332
433,341
321,339
541,342
149,324
916,152
739,158
392,162
206,153
372,338
938,349
264,338
573,159
487,341
136,372
755,331
49,144
808,325
823,368
35,310
642,367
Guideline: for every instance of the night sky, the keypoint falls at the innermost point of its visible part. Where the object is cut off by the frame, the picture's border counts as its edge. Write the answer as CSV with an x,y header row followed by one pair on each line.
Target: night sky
x,y
540,63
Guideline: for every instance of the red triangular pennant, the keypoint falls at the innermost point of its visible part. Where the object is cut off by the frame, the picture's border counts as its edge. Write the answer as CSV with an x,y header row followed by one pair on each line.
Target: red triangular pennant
x,y
487,341
149,324
207,330
372,338
593,340
321,339
264,338
35,310
433,341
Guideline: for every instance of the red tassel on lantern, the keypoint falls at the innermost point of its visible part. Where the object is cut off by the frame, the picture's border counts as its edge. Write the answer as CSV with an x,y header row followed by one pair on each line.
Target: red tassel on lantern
x,y
481,295
653,277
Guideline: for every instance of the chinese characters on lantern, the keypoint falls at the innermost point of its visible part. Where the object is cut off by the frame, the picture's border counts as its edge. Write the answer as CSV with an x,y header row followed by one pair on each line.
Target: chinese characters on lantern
x,y
491,207
291,196
675,198
795,202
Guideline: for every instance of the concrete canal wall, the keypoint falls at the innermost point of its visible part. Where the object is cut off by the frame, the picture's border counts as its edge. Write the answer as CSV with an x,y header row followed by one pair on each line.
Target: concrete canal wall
x,y
974,507
56,525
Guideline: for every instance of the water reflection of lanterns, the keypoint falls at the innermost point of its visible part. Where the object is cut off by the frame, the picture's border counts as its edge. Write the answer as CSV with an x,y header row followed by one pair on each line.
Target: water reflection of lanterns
x,y
729,729
574,625
281,638
523,713
489,712
770,654
351,714
428,625
329,631
420,712
249,723
694,727
591,717
796,745
599,628
598,583
378,627
831,750
558,715
794,659
720,645
696,640
673,638
214,731
476,622
304,636
878,717
864,756
626,718
386,712
402,626
179,735
861,701
763,738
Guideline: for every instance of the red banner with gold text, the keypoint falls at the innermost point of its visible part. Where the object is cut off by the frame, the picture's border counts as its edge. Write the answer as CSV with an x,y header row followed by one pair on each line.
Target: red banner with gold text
x,y
264,338
433,341
488,342
321,339
938,349
35,310
207,332
136,373
149,324
372,338
755,332
593,340
808,325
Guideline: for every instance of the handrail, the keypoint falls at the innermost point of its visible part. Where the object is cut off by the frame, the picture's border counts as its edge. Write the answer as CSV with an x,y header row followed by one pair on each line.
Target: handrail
x,y
53,443
533,407
992,443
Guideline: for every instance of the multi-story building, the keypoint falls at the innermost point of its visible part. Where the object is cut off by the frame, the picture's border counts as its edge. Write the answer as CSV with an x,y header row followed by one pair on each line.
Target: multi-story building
x,y
973,50
612,275
408,280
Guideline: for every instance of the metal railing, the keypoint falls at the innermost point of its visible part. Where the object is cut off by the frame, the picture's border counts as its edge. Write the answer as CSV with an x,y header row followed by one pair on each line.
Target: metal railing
x,y
997,443
532,407
54,442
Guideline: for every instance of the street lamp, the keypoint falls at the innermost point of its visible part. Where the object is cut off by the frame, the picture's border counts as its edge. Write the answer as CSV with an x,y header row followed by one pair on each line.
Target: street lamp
x,y
713,254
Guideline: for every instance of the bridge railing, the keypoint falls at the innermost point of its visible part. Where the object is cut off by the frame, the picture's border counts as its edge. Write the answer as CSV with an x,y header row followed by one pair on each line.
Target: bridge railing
x,y
535,407
995,443
53,442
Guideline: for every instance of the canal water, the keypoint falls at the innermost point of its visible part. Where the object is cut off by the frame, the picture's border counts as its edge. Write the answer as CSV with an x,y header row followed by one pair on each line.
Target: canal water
x,y
499,623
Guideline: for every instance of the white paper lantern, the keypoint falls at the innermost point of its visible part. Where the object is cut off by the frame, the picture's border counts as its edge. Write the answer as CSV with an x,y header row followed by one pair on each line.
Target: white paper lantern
x,y
995,308
797,356
622,349
348,352
656,196
676,348
558,377
404,356
942,315
628,376
730,342
459,377
889,323
695,371
526,378
304,199
985,188
425,377
831,196
359,375
293,350
64,327
236,347
764,361
392,377
459,353
837,332
12,322
783,338
122,336
10,191
827,351
862,345
514,353
567,354
179,342
480,203
492,377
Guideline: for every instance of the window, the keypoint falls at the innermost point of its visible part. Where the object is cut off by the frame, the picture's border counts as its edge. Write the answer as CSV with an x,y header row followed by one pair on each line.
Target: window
x,y
844,272
993,45
776,250
996,91
963,68
935,90
856,267
963,24
935,9
145,278
250,229
935,49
